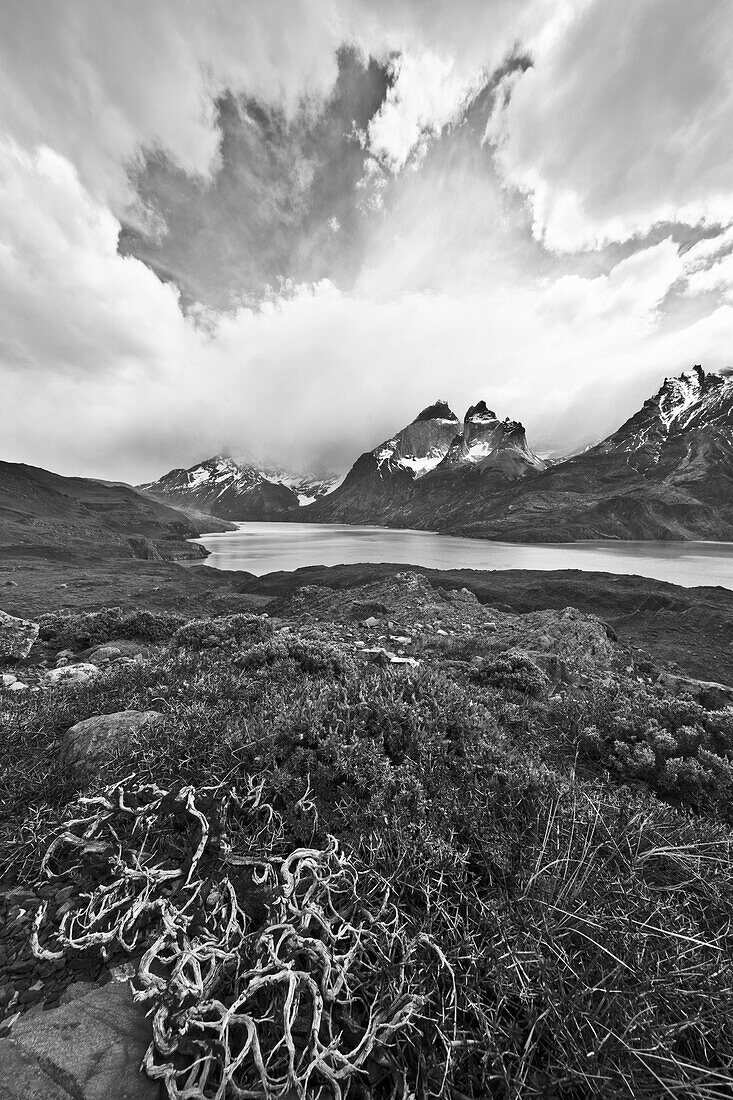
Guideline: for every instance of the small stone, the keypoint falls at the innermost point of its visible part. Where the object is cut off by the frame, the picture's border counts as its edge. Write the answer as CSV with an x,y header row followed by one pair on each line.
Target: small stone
x,y
106,653
371,622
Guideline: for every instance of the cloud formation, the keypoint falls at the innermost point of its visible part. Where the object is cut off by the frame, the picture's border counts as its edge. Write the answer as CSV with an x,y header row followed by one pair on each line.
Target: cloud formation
x,y
288,227
624,120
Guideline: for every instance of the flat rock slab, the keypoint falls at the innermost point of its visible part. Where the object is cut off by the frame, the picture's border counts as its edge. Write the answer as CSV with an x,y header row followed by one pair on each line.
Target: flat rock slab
x,y
16,637
90,1049
72,674
87,746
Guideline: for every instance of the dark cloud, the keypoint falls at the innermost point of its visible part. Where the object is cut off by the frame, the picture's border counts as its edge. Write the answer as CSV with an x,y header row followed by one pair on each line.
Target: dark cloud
x,y
281,206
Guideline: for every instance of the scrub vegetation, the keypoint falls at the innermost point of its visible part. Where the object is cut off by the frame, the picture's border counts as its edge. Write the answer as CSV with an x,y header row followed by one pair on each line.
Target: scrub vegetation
x,y
354,879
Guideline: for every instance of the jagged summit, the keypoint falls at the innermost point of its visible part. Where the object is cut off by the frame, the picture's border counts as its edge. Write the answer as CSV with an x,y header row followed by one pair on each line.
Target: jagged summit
x,y
441,410
488,443
479,413
691,400
420,446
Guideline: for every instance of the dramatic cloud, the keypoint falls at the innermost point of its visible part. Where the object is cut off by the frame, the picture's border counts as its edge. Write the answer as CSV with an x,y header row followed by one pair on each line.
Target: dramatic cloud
x,y
625,120
100,81
280,207
283,227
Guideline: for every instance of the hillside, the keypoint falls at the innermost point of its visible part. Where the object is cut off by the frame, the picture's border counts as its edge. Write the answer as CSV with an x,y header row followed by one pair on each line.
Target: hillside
x,y
46,515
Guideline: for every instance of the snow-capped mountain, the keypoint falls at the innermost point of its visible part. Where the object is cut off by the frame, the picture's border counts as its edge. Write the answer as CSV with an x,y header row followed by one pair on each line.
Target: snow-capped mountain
x,y
239,489
489,443
436,459
684,406
667,473
420,446
308,486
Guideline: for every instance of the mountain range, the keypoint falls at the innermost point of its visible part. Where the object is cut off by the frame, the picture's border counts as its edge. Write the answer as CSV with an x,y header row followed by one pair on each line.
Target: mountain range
x,y
666,473
240,488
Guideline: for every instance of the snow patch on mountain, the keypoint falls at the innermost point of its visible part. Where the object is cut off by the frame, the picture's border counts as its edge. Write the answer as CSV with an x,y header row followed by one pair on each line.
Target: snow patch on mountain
x,y
223,476
422,445
693,399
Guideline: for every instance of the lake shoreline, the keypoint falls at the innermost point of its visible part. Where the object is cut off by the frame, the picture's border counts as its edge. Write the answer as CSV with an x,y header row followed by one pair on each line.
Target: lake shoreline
x,y
264,547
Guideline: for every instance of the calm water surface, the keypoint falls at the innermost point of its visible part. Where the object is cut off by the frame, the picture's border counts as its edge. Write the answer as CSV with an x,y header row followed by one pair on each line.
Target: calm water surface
x,y
265,547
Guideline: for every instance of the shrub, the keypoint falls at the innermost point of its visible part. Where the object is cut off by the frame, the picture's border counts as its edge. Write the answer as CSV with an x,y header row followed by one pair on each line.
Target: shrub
x,y
81,629
228,630
513,672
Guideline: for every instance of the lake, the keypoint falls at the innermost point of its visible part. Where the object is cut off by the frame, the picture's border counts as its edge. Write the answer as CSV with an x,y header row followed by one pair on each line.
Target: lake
x,y
266,547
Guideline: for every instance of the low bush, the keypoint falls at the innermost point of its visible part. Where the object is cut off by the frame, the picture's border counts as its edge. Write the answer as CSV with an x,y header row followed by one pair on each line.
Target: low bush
x,y
80,629
513,672
228,630
675,746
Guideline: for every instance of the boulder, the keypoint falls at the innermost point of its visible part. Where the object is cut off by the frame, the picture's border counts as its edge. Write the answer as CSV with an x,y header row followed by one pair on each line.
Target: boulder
x,y
89,1049
89,745
7,680
72,674
16,637
708,693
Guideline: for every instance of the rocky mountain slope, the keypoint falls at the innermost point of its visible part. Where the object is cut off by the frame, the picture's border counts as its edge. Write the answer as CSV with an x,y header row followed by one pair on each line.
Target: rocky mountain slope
x,y
43,514
667,473
239,488
436,460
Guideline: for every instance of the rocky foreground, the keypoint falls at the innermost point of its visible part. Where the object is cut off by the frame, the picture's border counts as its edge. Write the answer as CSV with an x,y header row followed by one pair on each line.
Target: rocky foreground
x,y
542,808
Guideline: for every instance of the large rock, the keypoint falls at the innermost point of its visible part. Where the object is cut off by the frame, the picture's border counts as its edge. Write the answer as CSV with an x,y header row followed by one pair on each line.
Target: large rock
x,y
16,637
72,674
89,745
708,693
580,643
90,1049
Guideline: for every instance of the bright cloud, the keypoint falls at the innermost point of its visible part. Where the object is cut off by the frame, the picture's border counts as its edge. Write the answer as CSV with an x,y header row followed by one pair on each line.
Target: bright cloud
x,y
426,95
624,121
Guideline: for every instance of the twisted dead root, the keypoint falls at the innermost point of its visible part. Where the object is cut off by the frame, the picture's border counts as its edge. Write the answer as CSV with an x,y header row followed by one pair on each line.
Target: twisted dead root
x,y
271,973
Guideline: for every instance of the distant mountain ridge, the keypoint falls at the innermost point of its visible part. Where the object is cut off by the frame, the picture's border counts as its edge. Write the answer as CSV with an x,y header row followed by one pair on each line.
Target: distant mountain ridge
x,y
238,488
666,473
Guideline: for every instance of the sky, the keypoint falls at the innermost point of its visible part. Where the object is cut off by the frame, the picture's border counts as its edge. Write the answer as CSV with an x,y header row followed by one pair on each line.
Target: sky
x,y
284,228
